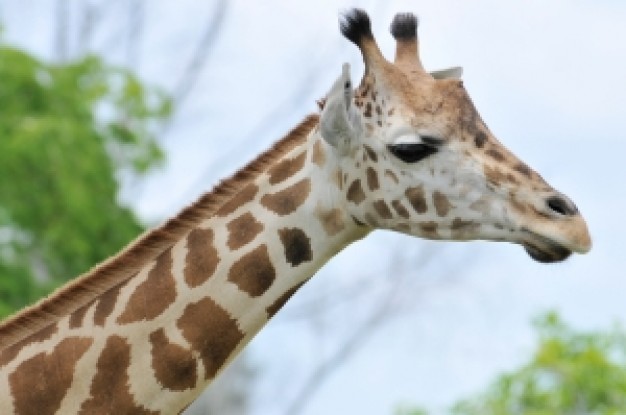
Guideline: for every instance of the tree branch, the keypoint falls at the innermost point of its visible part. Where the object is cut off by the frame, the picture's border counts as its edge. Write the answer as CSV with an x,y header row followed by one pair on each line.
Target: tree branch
x,y
390,304
202,53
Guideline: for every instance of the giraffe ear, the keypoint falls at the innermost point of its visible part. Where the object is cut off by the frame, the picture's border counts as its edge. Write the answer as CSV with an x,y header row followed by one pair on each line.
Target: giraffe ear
x,y
450,73
339,122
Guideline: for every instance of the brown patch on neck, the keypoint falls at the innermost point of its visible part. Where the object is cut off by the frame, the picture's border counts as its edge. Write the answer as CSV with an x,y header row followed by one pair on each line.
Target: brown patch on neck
x,y
246,195
110,393
253,273
12,351
286,168
371,153
382,209
496,154
372,179
105,305
202,257
282,300
524,169
288,200
442,204
146,248
174,366
318,157
242,230
355,192
429,229
297,245
417,199
39,384
400,209
368,110
331,220
153,296
211,332
76,318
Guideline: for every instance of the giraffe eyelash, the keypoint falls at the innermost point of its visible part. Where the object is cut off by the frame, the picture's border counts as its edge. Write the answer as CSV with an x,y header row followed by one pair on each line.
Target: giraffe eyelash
x,y
432,140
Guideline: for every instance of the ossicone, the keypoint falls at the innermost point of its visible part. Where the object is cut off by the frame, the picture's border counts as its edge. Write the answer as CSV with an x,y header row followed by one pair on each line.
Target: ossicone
x,y
355,25
404,30
404,26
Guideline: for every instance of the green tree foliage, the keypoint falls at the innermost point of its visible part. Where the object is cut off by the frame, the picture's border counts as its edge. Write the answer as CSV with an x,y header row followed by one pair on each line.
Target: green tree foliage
x,y
68,132
571,373
411,411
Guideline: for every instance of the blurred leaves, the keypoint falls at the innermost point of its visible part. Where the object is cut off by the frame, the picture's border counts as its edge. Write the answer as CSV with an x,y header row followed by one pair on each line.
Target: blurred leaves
x,y
571,373
411,411
67,133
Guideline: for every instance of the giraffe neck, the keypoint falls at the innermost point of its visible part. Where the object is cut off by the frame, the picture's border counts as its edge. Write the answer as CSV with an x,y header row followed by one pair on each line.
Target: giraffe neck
x,y
153,342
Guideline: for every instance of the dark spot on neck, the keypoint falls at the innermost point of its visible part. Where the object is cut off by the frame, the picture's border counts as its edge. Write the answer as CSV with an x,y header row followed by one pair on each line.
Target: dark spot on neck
x,y
400,209
242,230
495,154
105,305
110,391
211,332
355,192
39,384
479,139
202,257
382,209
286,168
297,245
524,169
371,153
287,200
282,300
254,272
368,110
372,179
417,199
154,295
174,366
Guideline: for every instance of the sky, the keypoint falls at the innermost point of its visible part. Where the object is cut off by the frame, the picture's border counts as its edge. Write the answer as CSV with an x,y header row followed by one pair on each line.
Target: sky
x,y
548,79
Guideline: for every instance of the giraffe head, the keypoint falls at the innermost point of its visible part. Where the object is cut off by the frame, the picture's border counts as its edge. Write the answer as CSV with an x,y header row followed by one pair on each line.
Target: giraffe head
x,y
414,156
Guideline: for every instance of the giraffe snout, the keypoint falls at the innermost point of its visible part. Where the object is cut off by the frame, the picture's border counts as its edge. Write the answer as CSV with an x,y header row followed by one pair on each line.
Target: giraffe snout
x,y
557,230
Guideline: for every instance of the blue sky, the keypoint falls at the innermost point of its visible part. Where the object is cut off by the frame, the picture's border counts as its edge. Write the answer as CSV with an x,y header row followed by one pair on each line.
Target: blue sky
x,y
547,77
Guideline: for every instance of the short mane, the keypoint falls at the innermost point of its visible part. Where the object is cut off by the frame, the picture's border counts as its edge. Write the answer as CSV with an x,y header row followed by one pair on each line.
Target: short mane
x,y
145,248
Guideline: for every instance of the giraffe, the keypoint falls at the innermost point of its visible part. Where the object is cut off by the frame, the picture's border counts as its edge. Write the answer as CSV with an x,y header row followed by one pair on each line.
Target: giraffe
x,y
147,330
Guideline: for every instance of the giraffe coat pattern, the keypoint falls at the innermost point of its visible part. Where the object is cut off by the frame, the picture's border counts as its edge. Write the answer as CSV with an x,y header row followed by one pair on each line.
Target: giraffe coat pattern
x,y
147,330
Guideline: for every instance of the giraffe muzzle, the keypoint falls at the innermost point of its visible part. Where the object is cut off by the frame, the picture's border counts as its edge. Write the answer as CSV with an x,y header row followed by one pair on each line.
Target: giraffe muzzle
x,y
546,251
556,230
560,232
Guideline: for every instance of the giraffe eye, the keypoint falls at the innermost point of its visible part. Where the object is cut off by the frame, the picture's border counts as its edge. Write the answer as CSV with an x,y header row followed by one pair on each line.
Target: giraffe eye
x,y
412,152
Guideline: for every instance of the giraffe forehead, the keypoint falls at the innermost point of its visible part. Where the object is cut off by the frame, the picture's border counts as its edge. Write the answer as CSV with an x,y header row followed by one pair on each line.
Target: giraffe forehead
x,y
397,96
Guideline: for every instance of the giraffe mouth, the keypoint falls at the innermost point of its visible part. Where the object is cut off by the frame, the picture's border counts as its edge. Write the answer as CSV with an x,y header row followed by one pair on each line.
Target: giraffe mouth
x,y
545,250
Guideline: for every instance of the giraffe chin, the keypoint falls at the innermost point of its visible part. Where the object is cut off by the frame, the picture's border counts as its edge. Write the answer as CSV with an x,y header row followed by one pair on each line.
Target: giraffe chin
x,y
548,252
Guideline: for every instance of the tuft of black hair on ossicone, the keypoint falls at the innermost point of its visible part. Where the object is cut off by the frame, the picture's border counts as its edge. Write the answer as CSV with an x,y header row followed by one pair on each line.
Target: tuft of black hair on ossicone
x,y
355,25
404,26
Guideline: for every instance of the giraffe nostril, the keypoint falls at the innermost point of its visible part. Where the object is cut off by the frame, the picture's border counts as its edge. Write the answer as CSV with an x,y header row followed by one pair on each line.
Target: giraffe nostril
x,y
562,205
